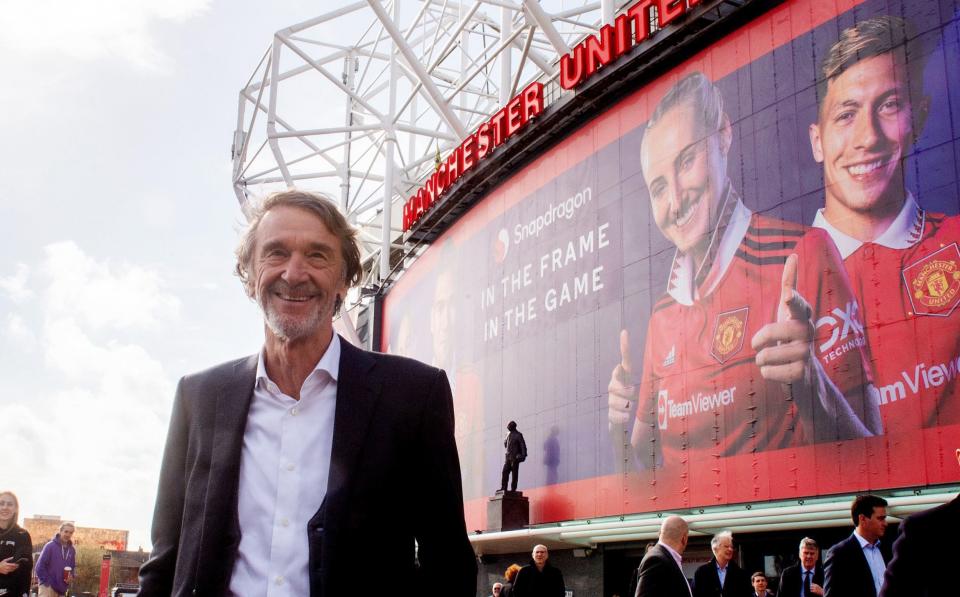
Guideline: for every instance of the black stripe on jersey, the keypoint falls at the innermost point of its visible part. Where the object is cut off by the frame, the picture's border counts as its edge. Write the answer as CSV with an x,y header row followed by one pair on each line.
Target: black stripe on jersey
x,y
755,231
663,303
754,260
741,361
769,246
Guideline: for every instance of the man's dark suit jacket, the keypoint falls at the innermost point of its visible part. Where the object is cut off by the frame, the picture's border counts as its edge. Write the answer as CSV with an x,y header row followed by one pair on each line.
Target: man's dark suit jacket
x,y
846,572
791,581
659,575
394,478
921,565
706,581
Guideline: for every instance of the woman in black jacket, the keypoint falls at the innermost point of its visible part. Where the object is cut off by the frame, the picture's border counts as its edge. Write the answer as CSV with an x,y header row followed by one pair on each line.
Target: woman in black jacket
x,y
16,549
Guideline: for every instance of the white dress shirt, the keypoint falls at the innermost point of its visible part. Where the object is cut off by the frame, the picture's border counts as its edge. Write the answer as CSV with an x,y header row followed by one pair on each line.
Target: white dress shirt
x,y
871,551
284,465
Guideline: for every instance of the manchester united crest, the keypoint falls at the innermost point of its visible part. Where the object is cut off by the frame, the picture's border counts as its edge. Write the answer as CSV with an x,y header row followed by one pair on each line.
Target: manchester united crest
x,y
728,334
934,282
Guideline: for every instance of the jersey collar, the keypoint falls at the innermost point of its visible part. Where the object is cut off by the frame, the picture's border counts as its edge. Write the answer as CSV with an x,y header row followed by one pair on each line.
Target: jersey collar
x,y
904,232
688,281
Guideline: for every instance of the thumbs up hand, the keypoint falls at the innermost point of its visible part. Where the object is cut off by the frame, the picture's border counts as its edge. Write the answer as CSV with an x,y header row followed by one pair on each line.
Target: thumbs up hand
x,y
785,347
621,392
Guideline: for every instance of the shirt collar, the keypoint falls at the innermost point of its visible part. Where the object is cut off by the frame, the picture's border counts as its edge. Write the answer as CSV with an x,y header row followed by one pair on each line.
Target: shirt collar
x,y
905,230
689,281
863,542
676,555
329,362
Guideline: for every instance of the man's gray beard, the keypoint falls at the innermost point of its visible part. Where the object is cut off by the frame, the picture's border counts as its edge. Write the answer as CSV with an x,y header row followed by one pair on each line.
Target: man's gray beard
x,y
287,328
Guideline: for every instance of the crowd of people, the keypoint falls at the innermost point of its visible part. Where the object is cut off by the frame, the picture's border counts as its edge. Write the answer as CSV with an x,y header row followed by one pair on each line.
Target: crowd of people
x,y
858,566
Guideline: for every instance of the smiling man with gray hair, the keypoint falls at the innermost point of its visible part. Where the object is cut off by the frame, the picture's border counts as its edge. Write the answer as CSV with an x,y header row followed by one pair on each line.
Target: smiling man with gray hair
x,y
279,467
721,576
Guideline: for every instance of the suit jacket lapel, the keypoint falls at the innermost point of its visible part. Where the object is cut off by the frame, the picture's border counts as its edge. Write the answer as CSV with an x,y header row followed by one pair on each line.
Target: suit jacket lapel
x,y
233,405
357,395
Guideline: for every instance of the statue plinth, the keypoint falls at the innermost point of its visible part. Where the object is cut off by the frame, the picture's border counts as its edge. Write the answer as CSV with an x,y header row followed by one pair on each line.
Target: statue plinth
x,y
508,511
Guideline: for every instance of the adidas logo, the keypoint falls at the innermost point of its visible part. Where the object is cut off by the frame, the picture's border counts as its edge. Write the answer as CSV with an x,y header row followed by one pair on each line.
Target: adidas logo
x,y
671,356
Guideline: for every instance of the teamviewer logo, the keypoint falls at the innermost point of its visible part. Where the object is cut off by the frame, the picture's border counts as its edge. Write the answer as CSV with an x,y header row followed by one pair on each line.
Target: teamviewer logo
x,y
663,410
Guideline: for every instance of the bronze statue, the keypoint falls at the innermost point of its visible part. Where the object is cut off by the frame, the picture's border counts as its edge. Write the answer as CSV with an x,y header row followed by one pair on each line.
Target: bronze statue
x,y
516,452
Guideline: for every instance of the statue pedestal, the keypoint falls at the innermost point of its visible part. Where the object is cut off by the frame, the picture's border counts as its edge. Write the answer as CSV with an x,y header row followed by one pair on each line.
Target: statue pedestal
x,y
508,511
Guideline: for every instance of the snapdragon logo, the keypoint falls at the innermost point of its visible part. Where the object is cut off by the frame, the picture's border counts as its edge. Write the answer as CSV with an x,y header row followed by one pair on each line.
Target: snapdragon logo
x,y
555,212
698,403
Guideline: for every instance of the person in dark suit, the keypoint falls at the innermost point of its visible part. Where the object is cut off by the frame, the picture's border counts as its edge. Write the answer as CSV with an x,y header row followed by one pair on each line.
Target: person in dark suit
x,y
282,468
920,562
855,566
721,576
539,578
804,578
660,573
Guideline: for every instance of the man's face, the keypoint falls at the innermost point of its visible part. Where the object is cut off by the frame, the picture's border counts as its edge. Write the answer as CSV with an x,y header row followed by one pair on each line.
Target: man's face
x,y
497,587
684,167
442,318
808,557
759,584
865,128
724,551
540,555
874,527
66,534
299,273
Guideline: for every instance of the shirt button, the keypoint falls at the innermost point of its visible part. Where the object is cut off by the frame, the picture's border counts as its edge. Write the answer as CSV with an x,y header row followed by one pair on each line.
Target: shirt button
x,y
279,580
294,411
285,522
290,467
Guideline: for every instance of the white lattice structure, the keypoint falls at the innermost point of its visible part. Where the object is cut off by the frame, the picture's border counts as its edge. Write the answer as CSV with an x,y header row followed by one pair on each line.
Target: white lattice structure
x,y
366,121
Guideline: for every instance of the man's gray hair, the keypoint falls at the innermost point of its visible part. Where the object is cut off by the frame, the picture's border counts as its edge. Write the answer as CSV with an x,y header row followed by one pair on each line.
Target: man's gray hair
x,y
715,540
321,206
808,542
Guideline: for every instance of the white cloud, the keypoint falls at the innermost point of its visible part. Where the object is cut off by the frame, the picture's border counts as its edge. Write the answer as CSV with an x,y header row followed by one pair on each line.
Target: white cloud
x,y
15,285
93,29
104,294
91,416
19,334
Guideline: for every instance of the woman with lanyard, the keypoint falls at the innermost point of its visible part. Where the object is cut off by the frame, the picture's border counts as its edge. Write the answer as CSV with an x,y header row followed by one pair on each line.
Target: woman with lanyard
x,y
16,549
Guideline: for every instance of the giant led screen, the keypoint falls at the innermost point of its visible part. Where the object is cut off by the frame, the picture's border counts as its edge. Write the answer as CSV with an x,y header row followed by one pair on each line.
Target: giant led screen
x,y
738,284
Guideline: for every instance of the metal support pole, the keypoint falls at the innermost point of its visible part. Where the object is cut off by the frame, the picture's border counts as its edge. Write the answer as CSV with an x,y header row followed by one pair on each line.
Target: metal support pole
x,y
389,150
348,76
506,64
607,8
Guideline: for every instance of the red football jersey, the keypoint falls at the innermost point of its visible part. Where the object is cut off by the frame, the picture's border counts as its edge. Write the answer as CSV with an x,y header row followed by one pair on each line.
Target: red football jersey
x,y
910,298
702,395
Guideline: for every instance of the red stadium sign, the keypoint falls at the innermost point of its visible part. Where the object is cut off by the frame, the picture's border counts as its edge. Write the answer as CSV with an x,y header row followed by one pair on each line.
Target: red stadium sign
x,y
488,136
613,41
